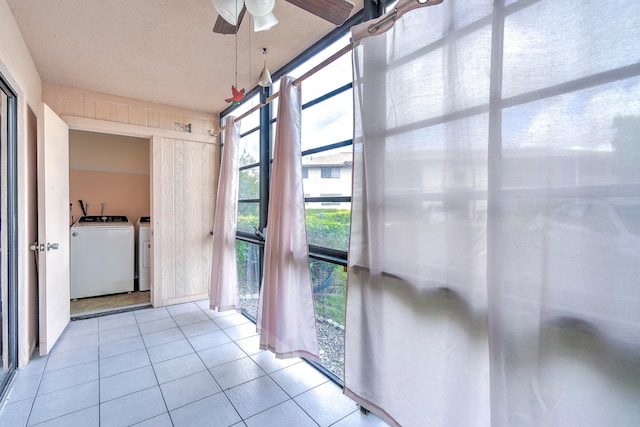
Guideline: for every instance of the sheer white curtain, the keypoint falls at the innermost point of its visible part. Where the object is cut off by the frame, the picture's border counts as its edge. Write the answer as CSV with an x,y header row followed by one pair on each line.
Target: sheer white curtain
x,y
286,316
494,266
223,286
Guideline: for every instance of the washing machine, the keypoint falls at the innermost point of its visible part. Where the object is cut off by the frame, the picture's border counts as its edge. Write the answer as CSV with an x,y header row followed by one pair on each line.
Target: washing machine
x,y
144,253
102,257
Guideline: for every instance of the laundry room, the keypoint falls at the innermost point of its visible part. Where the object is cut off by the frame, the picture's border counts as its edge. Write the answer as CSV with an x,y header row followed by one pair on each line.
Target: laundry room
x,y
109,197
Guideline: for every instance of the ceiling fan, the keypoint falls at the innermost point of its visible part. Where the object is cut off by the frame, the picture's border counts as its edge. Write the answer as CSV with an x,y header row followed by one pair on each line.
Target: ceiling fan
x,y
231,12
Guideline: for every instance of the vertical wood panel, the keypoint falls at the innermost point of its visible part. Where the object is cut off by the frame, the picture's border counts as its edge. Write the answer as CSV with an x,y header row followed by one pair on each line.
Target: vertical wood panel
x,y
122,113
208,209
138,116
206,125
153,119
166,120
161,119
179,118
187,217
89,108
178,213
105,110
72,104
188,226
167,221
193,222
196,124
66,100
157,278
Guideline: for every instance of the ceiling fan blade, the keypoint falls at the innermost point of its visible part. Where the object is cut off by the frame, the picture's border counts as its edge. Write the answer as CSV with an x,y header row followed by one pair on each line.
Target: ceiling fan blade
x,y
223,27
334,11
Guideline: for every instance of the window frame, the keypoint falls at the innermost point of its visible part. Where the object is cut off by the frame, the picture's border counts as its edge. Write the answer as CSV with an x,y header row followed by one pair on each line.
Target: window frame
x,y
11,201
329,172
371,9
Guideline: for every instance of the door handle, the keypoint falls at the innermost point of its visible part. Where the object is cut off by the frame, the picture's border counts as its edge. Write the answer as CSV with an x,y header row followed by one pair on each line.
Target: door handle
x,y
53,246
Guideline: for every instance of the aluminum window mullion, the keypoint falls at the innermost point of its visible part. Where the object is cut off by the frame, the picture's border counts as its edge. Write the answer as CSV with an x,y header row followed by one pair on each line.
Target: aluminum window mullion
x,y
249,132
319,199
327,96
251,166
582,83
333,146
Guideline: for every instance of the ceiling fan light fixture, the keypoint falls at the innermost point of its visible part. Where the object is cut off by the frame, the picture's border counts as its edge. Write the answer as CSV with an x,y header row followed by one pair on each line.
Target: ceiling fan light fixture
x,y
262,12
228,9
264,23
260,7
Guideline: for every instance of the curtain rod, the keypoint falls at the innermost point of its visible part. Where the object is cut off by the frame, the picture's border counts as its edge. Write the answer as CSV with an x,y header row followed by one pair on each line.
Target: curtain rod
x,y
373,28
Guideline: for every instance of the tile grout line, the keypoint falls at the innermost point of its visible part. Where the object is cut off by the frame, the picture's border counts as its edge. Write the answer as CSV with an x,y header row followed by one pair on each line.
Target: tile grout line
x,y
33,401
268,374
250,358
180,327
121,354
208,369
202,361
146,349
222,390
194,350
40,383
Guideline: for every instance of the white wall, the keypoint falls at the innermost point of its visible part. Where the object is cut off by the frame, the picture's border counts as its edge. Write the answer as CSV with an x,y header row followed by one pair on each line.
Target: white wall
x,y
113,170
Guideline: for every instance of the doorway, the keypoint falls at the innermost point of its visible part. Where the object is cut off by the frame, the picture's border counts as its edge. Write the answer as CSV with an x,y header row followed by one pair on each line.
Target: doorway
x,y
109,175
8,235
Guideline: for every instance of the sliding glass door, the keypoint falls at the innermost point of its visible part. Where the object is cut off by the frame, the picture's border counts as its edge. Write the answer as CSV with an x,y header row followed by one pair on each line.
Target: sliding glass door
x,y
8,235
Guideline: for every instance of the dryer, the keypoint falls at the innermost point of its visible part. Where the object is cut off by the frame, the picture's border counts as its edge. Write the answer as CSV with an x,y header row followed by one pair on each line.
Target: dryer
x,y
102,257
144,253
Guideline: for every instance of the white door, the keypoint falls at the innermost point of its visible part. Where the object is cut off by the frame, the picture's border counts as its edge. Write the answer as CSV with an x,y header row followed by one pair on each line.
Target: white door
x,y
53,227
183,207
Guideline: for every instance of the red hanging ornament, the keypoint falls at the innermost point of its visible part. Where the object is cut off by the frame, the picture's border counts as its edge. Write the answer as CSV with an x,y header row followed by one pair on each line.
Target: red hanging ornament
x,y
237,96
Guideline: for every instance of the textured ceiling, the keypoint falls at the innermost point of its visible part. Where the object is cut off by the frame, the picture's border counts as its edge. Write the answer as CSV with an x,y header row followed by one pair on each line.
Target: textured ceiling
x,y
157,50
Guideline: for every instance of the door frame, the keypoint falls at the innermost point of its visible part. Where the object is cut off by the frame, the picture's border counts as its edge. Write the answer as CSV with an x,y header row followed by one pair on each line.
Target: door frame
x,y
111,128
154,135
11,231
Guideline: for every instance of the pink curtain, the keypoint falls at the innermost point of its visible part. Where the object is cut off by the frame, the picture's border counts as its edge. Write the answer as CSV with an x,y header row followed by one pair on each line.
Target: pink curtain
x,y
223,286
286,317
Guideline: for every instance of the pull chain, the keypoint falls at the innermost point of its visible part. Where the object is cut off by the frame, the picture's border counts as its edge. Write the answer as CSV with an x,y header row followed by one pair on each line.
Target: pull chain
x,y
236,44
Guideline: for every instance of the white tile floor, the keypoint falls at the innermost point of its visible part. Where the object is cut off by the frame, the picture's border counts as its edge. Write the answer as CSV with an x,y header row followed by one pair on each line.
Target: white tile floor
x,y
182,365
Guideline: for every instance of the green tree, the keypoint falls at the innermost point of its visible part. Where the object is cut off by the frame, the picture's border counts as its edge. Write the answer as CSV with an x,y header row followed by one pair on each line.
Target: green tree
x,y
329,227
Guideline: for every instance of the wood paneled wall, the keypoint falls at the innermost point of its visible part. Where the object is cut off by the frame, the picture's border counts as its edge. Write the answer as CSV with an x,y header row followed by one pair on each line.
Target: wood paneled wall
x,y
69,101
185,171
184,175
